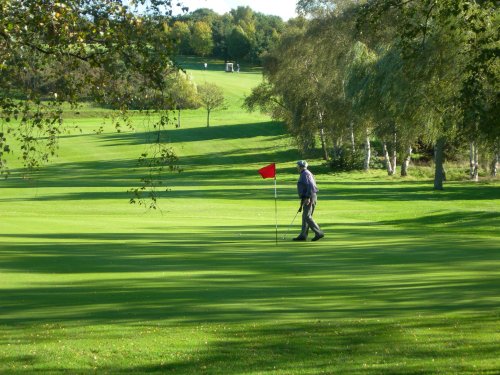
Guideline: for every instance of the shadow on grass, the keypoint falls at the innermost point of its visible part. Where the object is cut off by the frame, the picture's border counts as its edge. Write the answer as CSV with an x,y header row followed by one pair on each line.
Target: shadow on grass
x,y
454,220
365,300
405,191
235,274
241,182
354,346
222,132
343,347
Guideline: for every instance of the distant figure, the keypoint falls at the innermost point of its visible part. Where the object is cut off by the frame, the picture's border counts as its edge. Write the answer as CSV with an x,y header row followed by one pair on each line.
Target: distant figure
x,y
205,65
237,68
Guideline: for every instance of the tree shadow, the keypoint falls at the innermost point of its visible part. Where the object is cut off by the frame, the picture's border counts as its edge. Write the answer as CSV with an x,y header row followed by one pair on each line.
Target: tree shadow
x,y
229,179
405,191
198,134
351,303
235,274
338,347
460,222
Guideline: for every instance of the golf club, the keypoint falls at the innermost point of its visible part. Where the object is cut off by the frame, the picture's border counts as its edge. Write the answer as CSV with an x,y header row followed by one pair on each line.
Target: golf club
x,y
288,230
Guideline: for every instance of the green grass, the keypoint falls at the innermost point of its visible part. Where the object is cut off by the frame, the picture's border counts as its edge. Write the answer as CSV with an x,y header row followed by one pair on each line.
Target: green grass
x,y
405,282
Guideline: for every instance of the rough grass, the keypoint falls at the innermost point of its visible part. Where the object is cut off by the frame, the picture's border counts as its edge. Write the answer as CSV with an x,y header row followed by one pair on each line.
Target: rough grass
x,y
405,281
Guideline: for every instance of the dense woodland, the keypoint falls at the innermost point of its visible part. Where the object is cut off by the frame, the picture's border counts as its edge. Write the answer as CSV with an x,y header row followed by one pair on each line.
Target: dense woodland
x,y
411,76
241,34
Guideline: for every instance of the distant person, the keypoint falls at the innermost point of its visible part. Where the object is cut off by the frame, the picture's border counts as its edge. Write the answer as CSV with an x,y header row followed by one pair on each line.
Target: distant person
x,y
307,191
237,68
205,65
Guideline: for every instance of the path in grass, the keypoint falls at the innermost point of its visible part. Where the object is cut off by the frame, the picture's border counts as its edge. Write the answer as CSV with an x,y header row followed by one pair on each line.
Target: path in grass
x,y
406,280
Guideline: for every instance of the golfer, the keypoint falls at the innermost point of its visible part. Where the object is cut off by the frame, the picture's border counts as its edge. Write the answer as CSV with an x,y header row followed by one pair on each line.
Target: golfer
x,y
307,190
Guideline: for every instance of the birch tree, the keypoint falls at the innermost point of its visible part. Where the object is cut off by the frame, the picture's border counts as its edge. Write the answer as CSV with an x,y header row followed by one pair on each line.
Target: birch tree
x,y
211,97
448,45
183,93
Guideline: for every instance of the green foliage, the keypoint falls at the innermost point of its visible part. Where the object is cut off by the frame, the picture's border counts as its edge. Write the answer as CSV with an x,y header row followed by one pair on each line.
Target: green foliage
x,y
181,35
263,98
258,32
211,97
183,92
55,52
346,159
238,44
201,38
402,71
162,158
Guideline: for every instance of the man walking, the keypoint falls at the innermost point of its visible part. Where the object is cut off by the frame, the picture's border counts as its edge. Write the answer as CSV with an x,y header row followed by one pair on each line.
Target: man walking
x,y
307,190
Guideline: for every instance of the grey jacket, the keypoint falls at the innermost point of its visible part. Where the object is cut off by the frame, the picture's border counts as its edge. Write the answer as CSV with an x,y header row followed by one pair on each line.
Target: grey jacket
x,y
306,186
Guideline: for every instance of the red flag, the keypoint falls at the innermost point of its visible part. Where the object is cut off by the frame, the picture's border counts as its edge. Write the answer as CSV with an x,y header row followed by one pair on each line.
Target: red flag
x,y
268,171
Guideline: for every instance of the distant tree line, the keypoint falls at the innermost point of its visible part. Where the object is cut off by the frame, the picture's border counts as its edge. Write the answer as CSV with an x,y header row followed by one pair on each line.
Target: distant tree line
x,y
409,74
240,34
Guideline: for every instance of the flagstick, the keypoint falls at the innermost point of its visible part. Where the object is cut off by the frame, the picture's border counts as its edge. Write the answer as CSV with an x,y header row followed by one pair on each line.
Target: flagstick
x,y
276,208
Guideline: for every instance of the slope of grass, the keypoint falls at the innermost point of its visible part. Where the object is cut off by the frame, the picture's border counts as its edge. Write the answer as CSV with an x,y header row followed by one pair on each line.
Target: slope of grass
x,y
405,281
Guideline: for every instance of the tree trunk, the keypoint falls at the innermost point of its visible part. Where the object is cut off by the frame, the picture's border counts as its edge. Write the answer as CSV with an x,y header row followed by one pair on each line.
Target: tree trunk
x,y
179,118
394,154
406,163
388,165
322,134
368,153
208,118
474,161
353,143
439,174
495,160
494,165
393,161
475,175
323,144
471,159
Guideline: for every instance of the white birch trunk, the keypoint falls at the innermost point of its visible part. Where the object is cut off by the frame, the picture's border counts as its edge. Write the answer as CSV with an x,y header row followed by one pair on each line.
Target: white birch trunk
x,y
388,165
494,165
394,154
475,176
406,163
368,152
353,143
471,160
322,135
393,160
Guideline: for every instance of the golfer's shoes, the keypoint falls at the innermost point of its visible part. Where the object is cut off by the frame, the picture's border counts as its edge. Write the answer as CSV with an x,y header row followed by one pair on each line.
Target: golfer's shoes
x,y
299,238
318,237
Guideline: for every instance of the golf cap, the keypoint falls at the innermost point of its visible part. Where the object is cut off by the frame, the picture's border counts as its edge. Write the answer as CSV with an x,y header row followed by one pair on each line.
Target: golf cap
x,y
302,163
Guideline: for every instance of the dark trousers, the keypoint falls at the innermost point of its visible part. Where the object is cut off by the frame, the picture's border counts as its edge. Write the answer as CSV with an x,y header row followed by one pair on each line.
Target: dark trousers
x,y
307,220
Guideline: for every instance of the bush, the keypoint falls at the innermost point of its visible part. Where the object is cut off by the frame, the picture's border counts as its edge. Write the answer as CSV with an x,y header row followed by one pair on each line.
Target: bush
x,y
345,159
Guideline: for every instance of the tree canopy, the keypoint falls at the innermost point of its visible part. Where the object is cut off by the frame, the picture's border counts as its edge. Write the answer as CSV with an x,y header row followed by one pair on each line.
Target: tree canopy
x,y
104,50
406,72
256,32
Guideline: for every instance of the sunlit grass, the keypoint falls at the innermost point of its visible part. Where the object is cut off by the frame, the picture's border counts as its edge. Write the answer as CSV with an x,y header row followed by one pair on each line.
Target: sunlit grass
x,y
405,281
